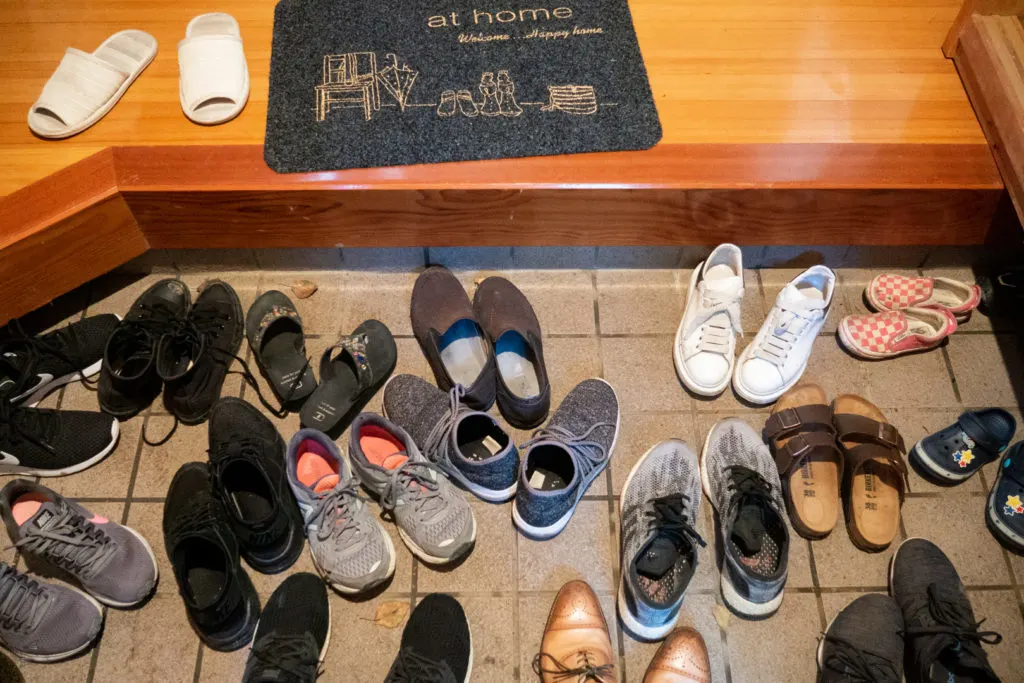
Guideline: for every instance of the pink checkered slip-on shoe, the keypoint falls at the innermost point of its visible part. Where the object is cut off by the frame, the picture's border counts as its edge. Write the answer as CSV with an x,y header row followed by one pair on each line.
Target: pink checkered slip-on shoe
x,y
889,292
894,333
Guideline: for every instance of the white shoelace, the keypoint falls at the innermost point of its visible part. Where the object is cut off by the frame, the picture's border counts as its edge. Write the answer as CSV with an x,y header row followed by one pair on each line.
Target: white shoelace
x,y
719,317
786,327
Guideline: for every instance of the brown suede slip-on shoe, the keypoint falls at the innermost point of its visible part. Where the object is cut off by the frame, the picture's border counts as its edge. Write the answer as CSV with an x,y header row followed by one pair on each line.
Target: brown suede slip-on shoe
x,y
576,643
682,658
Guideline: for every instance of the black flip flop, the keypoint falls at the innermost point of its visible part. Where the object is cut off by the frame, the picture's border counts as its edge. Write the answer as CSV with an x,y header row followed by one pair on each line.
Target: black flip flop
x,y
351,372
274,330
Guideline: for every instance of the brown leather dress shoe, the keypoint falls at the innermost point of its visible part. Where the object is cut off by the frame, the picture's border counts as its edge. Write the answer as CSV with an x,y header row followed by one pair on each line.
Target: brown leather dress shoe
x,y
576,641
682,658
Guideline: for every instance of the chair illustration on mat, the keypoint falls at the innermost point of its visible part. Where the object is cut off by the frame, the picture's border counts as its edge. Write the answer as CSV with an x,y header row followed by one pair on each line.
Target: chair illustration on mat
x,y
350,78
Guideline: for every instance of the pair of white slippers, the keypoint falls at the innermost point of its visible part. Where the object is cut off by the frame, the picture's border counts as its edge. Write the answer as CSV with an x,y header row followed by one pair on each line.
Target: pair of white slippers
x,y
214,77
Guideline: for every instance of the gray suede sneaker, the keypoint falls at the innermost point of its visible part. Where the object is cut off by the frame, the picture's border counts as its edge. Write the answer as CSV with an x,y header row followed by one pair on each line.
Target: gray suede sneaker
x,y
434,520
741,481
349,546
45,622
563,459
470,446
113,563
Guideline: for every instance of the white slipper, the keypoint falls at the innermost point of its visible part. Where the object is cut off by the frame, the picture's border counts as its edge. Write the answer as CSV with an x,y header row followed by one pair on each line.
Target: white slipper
x,y
214,75
86,86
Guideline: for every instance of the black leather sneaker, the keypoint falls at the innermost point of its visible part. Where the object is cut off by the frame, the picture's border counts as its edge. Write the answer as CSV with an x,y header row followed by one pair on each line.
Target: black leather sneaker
x,y
128,378
942,635
220,600
194,358
248,465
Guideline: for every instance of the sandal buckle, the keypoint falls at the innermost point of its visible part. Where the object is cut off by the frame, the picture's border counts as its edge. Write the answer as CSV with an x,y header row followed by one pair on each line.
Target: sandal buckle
x,y
798,447
785,416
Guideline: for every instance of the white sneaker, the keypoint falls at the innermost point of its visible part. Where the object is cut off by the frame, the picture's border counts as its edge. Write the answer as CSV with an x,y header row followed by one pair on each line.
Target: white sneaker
x,y
778,356
705,349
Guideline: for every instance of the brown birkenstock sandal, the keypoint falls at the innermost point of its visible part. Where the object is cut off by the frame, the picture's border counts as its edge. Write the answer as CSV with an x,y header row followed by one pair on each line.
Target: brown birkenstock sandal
x,y
803,442
876,478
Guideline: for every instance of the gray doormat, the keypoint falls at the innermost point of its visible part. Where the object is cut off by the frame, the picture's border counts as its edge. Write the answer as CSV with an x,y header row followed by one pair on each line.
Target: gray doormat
x,y
395,82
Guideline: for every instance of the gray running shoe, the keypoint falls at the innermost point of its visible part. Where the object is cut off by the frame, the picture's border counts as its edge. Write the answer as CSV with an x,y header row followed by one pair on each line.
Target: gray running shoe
x,y
349,546
113,563
742,483
45,622
433,518
660,505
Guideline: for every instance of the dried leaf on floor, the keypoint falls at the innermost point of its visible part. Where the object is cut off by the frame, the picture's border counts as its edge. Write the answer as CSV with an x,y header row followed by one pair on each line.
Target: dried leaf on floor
x,y
304,289
391,614
721,616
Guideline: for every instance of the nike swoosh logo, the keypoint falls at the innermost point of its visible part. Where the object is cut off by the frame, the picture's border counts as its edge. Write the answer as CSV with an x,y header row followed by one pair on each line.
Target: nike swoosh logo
x,y
8,459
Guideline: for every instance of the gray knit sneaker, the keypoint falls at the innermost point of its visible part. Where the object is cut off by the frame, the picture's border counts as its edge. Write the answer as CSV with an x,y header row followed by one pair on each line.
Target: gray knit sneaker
x,y
45,622
564,458
660,507
433,518
113,563
742,482
349,547
470,446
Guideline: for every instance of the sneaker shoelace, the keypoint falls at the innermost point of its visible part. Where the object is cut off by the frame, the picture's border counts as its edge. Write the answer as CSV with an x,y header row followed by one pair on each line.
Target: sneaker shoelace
x,y
586,455
721,316
335,512
948,611
786,327
70,541
134,339
666,517
412,667
290,654
21,353
858,665
585,669
28,424
22,600
202,514
412,479
436,446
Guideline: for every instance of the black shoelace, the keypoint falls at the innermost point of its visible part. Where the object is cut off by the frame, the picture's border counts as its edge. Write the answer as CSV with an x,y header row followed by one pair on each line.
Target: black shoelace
x,y
202,514
28,351
745,482
859,666
28,424
412,667
951,618
70,541
585,669
667,519
290,654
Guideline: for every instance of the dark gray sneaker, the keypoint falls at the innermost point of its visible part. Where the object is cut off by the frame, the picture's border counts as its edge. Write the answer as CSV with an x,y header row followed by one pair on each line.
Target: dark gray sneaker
x,y
433,518
741,481
113,563
562,459
943,640
863,643
470,446
660,505
45,622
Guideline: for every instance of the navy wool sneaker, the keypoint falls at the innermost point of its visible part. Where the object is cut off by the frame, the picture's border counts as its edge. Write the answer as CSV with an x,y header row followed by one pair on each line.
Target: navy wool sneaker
x,y
1005,509
565,457
953,455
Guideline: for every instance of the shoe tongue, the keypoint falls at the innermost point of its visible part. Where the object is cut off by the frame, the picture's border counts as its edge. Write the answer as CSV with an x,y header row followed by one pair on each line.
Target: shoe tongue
x,y
793,299
395,460
749,529
326,483
725,285
657,558
46,512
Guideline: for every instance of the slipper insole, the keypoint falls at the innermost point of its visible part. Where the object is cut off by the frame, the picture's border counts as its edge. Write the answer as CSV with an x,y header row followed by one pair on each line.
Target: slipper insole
x,y
381,448
463,352
549,469
719,272
281,355
205,571
314,468
249,492
26,506
516,365
479,438
336,396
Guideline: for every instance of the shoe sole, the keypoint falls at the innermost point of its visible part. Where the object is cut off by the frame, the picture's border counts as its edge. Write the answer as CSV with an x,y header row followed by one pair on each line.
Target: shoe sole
x,y
849,345
156,576
245,633
680,364
33,398
115,432
349,590
751,397
484,494
920,457
289,556
60,656
541,533
875,306
419,552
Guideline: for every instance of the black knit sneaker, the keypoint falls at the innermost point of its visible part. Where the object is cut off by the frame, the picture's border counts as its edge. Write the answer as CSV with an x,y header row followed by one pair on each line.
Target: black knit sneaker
x,y
436,644
128,377
943,640
293,634
248,466
51,443
863,643
194,358
220,601
48,361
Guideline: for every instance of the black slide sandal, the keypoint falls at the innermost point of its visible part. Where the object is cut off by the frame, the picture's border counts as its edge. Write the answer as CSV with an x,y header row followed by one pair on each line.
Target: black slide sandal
x,y
351,372
274,330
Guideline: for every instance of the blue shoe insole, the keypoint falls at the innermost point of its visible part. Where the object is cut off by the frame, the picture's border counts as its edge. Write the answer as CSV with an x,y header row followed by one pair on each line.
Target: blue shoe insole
x,y
463,352
516,365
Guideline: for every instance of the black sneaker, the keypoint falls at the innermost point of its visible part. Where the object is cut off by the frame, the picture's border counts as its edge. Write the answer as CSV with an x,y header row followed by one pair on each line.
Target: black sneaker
x,y
863,643
39,365
248,465
943,640
50,443
436,645
128,378
194,358
220,600
293,634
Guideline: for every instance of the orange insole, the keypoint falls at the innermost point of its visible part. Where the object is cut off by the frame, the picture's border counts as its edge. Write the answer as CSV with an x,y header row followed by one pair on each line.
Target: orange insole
x,y
381,447
315,467
26,506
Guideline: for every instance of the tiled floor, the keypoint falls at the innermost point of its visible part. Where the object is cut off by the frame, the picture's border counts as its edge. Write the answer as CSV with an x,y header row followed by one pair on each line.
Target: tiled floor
x,y
599,320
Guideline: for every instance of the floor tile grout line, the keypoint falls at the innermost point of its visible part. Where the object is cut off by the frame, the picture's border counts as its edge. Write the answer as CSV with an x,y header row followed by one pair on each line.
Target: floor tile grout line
x,y
198,671
136,464
952,375
94,658
816,584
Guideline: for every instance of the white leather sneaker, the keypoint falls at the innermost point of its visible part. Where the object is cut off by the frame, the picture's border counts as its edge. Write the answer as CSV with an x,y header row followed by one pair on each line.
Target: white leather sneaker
x,y
705,348
778,356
